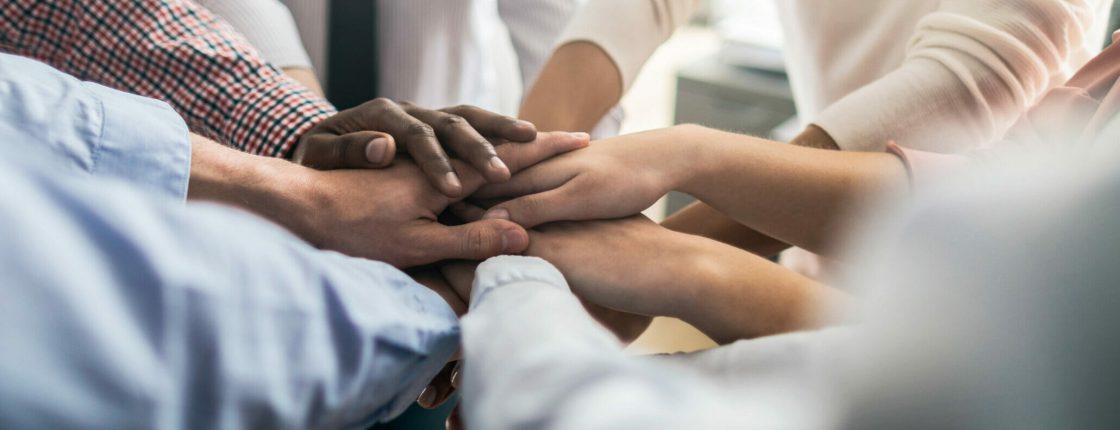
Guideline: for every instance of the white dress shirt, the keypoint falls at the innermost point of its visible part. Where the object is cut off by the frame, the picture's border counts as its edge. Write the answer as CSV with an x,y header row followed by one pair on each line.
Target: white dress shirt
x,y
432,52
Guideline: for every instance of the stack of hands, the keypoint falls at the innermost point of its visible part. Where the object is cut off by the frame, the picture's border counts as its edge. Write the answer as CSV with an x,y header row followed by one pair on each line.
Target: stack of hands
x,y
416,196
441,190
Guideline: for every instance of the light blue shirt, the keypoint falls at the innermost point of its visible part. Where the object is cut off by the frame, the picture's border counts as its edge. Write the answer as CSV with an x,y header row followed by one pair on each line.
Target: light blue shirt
x,y
85,128
124,308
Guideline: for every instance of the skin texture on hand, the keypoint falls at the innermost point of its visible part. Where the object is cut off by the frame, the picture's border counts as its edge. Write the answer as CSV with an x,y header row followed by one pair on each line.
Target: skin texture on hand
x,y
635,266
368,136
613,178
387,215
800,196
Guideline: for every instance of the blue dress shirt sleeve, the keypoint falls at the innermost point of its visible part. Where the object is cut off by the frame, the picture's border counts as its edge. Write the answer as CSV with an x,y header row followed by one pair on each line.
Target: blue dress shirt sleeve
x,y
84,128
121,309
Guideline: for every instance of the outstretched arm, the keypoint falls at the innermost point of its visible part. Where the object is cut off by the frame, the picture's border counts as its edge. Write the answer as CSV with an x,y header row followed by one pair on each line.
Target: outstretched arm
x,y
801,196
123,309
598,58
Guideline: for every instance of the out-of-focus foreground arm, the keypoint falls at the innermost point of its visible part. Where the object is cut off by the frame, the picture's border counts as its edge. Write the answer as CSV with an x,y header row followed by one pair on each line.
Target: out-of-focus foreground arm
x,y
125,310
534,358
81,128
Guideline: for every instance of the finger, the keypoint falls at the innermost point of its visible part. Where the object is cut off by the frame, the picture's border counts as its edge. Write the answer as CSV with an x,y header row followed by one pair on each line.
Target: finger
x,y
544,147
434,279
440,389
465,141
561,204
457,376
475,241
539,179
460,275
491,124
522,156
419,140
358,150
455,420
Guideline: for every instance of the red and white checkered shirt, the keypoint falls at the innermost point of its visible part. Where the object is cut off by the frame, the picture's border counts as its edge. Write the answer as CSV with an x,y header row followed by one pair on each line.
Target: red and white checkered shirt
x,y
175,51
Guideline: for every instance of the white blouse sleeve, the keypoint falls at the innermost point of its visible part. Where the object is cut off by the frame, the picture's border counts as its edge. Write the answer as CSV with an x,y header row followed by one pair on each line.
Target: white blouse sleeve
x,y
629,30
268,25
971,68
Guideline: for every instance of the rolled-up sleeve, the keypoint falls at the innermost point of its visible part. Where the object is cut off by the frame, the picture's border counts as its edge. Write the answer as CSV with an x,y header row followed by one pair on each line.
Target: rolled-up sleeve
x,y
89,129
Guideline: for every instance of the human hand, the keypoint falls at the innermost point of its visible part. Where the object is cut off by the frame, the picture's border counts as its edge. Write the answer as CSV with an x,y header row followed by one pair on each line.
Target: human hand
x,y
367,136
612,178
391,214
630,265
452,281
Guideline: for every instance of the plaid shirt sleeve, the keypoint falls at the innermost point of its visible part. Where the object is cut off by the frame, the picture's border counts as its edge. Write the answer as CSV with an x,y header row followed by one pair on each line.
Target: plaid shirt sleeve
x,y
175,51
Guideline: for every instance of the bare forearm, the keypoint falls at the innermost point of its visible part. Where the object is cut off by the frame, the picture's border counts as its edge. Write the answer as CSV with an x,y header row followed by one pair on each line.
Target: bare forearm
x,y
739,295
800,196
577,87
699,219
266,186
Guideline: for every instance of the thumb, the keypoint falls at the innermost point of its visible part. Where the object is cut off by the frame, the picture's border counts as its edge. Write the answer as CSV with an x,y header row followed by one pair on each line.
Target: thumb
x,y
475,241
536,209
358,150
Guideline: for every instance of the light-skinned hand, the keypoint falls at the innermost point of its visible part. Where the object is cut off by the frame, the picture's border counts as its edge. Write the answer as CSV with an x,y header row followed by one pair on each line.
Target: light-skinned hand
x,y
613,178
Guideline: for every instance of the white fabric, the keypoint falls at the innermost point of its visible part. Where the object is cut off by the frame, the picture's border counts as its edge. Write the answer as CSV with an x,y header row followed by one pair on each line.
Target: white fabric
x,y
986,309
436,52
268,25
949,74
535,359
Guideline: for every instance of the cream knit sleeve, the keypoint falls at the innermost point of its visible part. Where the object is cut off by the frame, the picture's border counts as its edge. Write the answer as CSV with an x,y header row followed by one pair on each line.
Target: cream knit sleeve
x,y
628,30
972,67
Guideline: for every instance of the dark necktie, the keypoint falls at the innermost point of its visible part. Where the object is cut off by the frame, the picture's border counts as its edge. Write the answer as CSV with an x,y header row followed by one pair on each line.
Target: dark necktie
x,y
352,72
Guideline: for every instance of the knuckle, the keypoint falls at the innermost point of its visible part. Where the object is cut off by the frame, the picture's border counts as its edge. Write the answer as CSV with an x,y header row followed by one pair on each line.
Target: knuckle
x,y
453,121
382,103
477,241
461,108
421,130
531,207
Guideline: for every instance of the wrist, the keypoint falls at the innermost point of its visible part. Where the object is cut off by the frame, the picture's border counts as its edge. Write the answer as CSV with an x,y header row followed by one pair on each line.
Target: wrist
x,y
697,156
272,188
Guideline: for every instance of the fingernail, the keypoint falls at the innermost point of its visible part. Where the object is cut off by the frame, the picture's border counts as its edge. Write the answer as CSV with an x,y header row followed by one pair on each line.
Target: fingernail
x,y
377,149
455,374
497,214
427,397
497,164
452,180
523,123
582,136
513,242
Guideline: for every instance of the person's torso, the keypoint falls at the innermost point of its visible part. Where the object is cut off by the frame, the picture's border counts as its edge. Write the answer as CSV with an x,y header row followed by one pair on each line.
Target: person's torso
x,y
442,53
834,47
